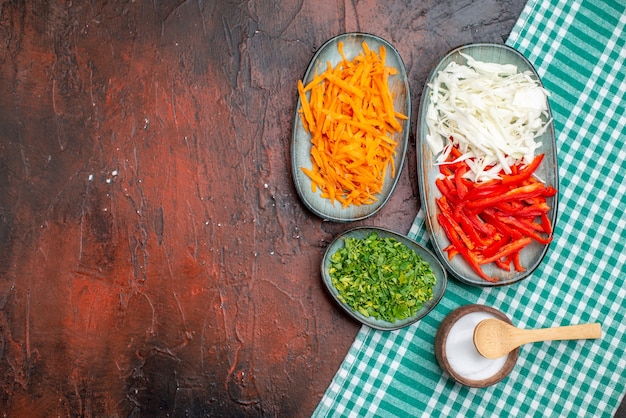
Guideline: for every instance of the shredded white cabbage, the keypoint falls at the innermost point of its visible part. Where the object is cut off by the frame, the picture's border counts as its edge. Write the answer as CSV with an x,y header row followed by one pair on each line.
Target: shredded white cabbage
x,y
492,112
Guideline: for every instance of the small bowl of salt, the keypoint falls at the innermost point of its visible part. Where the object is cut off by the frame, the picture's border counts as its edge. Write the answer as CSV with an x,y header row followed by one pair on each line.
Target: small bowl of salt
x,y
457,355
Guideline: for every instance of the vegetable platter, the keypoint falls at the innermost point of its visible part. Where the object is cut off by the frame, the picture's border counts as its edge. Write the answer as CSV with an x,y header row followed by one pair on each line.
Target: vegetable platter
x,y
487,164
374,273
342,129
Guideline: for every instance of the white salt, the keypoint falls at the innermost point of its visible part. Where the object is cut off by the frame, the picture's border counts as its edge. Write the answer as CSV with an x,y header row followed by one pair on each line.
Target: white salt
x,y
462,354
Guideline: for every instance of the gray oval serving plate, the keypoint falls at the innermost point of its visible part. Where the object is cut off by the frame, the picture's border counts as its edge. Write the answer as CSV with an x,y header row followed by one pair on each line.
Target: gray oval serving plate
x,y
530,256
301,139
364,232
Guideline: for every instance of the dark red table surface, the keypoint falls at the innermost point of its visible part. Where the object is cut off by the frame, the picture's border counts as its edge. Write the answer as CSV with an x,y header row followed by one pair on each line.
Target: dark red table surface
x,y
155,259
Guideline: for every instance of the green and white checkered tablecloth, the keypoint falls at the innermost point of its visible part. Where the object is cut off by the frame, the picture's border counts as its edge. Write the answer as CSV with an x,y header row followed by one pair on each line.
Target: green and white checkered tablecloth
x,y
578,48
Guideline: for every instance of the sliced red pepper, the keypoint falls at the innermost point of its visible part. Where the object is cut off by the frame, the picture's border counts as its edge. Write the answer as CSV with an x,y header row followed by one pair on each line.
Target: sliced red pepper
x,y
528,228
523,211
446,170
545,222
468,228
463,251
451,250
530,223
487,189
507,250
461,187
446,212
451,166
447,189
509,207
503,264
534,235
454,153
517,263
495,247
443,188
524,173
534,210
549,191
522,192
449,183
505,229
494,220
483,227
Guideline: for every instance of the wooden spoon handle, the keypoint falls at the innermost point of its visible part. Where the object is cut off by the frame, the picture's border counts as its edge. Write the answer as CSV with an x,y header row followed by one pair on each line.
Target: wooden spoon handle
x,y
570,332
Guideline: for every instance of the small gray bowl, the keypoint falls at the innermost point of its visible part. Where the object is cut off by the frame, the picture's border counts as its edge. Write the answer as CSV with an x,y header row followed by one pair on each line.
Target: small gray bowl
x,y
363,232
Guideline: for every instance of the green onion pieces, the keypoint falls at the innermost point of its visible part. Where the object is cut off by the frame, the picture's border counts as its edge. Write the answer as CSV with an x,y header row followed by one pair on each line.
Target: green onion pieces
x,y
381,277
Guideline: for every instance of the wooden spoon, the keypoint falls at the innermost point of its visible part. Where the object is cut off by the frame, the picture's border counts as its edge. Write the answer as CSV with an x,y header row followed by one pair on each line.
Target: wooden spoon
x,y
494,338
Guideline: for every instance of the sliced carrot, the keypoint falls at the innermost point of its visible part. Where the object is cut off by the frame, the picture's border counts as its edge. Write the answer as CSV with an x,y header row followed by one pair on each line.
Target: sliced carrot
x,y
306,109
348,110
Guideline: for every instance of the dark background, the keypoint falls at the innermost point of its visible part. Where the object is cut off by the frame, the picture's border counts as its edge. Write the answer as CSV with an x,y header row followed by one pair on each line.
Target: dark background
x,y
155,259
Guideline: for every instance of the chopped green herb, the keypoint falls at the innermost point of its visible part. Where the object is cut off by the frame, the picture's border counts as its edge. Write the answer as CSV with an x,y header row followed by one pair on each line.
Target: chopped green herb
x,y
381,277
